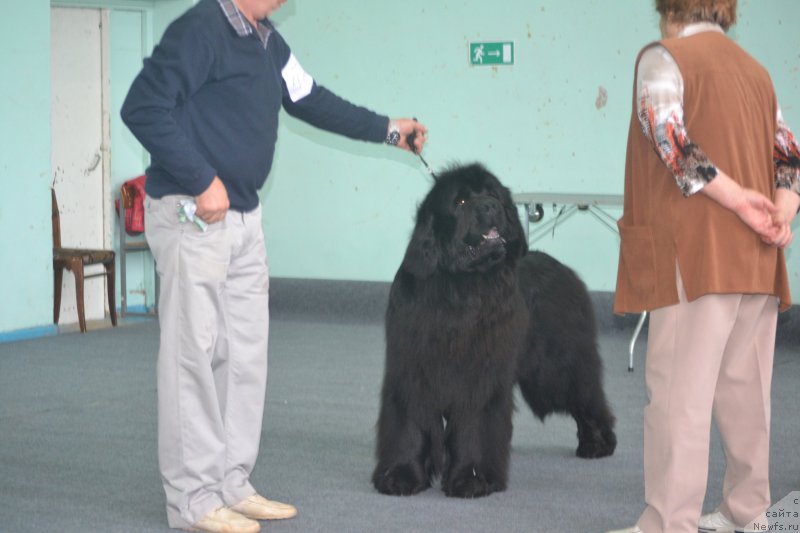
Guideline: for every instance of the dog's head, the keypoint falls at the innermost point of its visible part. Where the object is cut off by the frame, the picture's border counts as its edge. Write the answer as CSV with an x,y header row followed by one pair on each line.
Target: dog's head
x,y
467,223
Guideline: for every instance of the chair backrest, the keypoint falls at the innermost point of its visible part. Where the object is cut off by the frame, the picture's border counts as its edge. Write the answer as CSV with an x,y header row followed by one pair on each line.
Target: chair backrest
x,y
56,221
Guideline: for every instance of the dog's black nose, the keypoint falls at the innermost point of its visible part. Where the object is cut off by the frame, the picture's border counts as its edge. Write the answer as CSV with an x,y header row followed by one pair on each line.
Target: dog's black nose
x,y
488,208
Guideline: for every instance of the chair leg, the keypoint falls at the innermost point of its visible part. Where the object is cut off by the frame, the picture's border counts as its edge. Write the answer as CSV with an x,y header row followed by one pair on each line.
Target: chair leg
x,y
78,271
112,307
58,277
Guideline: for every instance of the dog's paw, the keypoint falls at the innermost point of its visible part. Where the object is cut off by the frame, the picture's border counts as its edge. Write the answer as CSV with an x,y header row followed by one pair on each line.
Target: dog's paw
x,y
470,483
400,480
597,444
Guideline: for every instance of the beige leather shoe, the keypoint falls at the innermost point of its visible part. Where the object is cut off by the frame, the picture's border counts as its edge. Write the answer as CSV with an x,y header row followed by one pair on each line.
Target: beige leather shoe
x,y
259,508
223,520
634,529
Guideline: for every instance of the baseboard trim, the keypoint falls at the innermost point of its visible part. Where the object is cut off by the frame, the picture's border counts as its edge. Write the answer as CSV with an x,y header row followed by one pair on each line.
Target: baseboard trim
x,y
365,301
28,333
338,300
139,310
328,300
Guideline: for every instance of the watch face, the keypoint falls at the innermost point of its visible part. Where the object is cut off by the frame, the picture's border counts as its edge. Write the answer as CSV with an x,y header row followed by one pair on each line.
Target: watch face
x,y
393,138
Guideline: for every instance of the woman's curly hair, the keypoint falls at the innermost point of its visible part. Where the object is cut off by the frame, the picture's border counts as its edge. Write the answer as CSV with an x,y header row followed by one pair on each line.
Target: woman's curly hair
x,y
722,12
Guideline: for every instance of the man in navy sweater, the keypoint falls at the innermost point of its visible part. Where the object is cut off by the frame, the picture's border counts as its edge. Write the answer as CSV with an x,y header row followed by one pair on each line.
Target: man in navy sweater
x,y
205,106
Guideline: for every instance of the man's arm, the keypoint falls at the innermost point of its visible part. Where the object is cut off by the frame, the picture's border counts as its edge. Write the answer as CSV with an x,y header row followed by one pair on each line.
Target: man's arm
x,y
177,67
316,105
325,110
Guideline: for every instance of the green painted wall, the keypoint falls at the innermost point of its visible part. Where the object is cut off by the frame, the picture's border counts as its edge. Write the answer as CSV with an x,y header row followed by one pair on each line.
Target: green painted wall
x,y
26,272
339,209
26,275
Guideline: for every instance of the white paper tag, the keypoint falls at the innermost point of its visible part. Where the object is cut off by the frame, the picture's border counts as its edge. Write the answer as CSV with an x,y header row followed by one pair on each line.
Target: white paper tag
x,y
298,81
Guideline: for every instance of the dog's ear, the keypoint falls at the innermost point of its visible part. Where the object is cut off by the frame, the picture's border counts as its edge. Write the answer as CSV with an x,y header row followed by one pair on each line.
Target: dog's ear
x,y
517,245
422,254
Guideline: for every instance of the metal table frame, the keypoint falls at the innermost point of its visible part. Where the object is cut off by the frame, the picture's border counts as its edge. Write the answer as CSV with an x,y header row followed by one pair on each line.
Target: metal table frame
x,y
571,204
127,246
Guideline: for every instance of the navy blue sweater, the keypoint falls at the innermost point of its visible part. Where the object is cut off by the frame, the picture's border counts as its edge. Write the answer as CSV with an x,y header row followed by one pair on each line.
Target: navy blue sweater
x,y
206,104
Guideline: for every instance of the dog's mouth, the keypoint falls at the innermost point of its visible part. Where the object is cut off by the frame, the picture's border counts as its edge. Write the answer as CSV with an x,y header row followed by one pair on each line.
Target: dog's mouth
x,y
491,246
491,236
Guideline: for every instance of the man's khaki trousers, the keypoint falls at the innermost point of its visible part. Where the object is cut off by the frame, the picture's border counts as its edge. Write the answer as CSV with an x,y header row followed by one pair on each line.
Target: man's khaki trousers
x,y
212,361
709,356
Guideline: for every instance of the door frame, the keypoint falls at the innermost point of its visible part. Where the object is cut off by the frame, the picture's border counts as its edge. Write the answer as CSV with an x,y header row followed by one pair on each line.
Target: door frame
x,y
145,8
105,111
105,117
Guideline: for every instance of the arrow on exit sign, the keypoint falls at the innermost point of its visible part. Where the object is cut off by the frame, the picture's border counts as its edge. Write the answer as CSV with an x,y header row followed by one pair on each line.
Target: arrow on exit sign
x,y
491,53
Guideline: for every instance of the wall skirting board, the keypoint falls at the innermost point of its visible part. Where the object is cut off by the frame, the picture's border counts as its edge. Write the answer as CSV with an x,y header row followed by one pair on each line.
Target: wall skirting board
x,y
365,301
28,333
348,301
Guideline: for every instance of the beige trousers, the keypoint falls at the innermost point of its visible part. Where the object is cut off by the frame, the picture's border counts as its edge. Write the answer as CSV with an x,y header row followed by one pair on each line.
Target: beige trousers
x,y
710,356
212,361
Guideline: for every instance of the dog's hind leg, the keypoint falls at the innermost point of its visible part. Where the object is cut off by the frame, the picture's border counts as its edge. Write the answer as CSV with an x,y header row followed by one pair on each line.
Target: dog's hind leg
x,y
596,437
586,404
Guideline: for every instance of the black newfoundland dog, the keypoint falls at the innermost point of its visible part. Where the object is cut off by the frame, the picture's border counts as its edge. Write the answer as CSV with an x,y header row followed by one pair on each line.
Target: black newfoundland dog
x,y
471,313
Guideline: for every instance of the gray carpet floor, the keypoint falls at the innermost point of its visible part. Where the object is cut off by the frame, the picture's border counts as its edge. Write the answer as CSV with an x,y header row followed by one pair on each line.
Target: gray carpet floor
x,y
78,438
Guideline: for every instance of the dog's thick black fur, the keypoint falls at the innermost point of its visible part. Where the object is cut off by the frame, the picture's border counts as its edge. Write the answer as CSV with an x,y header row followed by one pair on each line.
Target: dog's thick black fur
x,y
472,313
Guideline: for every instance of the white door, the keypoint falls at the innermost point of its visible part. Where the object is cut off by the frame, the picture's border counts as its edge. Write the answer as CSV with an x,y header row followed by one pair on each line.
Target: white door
x,y
79,156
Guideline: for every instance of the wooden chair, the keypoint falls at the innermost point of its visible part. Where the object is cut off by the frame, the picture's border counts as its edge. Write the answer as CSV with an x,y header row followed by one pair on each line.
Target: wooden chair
x,y
74,260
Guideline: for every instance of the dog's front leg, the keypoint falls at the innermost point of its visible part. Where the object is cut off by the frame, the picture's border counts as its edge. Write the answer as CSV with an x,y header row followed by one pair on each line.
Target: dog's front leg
x,y
402,450
478,445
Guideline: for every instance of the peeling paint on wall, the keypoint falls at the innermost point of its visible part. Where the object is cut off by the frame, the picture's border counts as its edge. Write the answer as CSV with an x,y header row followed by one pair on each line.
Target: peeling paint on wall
x,y
602,97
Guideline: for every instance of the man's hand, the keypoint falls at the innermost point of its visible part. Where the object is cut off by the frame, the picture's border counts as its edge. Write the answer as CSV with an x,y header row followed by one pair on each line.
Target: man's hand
x,y
407,126
212,204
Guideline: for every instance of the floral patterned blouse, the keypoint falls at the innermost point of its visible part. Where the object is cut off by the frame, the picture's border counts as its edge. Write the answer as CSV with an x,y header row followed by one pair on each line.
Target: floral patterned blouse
x,y
659,89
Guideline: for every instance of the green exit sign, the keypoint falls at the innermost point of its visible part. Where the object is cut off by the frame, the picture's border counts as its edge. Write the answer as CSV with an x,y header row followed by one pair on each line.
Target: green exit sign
x,y
492,53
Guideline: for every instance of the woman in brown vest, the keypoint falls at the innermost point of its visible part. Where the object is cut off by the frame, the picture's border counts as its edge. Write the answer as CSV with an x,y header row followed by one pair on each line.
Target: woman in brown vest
x,y
712,183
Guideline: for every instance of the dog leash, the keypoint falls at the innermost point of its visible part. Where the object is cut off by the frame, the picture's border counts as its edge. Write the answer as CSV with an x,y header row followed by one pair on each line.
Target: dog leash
x,y
410,142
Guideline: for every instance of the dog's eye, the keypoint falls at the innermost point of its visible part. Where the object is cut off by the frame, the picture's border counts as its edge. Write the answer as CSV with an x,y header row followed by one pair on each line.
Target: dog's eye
x,y
460,201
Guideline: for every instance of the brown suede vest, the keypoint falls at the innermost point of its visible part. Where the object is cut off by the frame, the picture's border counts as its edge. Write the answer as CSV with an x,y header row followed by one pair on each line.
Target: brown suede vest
x,y
729,112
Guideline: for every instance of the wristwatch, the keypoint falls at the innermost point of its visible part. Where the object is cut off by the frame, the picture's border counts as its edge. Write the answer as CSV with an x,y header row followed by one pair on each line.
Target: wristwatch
x,y
393,137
